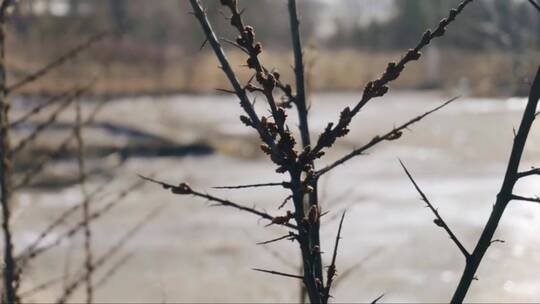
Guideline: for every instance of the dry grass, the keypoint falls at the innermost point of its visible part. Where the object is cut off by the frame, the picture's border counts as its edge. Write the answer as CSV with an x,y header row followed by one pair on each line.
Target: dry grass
x,y
487,74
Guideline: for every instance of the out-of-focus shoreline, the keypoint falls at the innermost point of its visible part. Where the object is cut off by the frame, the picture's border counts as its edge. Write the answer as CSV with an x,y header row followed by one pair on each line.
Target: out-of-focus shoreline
x,y
494,74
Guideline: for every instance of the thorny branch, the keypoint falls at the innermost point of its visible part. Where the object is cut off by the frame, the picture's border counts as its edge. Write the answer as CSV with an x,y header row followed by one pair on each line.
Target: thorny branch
x,y
526,199
72,287
185,189
278,142
533,171
394,134
44,159
331,272
50,120
85,205
37,109
9,267
438,219
536,5
280,273
273,184
55,63
32,254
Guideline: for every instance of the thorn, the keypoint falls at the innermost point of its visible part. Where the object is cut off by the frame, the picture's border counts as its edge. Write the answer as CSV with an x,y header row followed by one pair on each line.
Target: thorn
x,y
377,299
226,91
203,44
279,273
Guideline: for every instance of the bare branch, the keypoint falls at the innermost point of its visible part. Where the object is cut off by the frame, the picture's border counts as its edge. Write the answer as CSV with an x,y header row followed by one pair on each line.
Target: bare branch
x,y
123,260
533,171
55,63
291,237
226,67
536,5
72,287
377,299
40,287
300,98
439,220
61,219
331,272
389,136
89,270
29,255
185,189
280,273
526,199
44,159
282,184
288,198
37,109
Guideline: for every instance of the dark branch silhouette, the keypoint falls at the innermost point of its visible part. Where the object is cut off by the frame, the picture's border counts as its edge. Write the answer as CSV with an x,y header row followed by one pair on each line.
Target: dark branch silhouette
x,y
439,221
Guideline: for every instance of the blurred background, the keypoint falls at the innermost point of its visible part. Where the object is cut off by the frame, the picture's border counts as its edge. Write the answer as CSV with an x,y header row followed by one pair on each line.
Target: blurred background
x,y
163,116
488,52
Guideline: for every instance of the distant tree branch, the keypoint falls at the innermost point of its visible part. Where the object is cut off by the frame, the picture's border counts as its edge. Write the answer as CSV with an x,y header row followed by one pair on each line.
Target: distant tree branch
x,y
379,88
331,272
55,63
536,5
273,184
185,189
283,274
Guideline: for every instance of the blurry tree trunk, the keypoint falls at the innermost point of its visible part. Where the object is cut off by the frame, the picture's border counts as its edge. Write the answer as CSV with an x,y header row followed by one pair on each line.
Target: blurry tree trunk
x,y
9,269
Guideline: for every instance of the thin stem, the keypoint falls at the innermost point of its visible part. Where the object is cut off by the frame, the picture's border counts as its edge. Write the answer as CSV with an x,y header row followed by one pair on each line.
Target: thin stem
x,y
111,252
50,120
184,189
393,134
378,87
9,267
526,199
31,174
280,273
300,98
439,220
55,63
282,184
85,205
536,5
226,67
332,268
32,254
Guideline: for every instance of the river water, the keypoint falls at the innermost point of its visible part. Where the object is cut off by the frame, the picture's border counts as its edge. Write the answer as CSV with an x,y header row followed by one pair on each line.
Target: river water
x,y
195,253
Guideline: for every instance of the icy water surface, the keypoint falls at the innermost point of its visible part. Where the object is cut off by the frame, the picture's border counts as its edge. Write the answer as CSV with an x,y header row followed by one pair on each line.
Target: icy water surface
x,y
193,253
